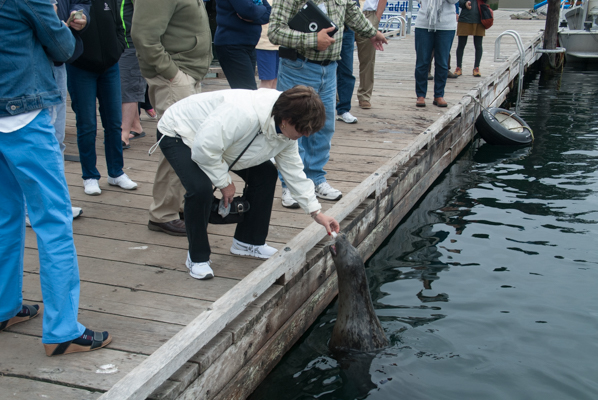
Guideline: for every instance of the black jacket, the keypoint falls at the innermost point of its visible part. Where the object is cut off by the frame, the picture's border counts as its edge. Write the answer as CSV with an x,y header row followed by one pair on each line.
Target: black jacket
x,y
64,11
104,39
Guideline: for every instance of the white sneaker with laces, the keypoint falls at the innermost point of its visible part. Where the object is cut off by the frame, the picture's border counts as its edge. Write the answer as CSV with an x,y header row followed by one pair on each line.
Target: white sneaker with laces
x,y
200,270
287,200
123,181
327,192
77,211
92,187
347,118
244,249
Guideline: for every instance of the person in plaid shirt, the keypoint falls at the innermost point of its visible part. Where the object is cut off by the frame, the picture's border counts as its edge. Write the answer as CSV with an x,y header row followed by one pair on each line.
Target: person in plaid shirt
x,y
310,59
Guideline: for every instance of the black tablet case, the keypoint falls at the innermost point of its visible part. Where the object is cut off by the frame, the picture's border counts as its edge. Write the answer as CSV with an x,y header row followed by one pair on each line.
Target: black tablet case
x,y
311,19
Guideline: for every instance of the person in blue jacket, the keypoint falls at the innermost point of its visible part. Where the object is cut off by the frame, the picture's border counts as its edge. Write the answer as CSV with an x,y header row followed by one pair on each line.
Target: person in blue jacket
x,y
239,29
31,168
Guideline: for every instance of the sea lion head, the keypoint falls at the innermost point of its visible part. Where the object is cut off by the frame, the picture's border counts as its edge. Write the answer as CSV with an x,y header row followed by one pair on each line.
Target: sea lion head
x,y
343,253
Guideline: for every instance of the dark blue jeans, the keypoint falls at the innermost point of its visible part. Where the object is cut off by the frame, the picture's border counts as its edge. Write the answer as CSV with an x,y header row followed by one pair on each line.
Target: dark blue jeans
x,y
425,42
345,81
238,64
84,86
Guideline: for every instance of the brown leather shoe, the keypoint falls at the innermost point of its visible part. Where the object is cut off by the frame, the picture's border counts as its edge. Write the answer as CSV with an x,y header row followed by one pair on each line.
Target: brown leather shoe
x,y
174,228
365,104
421,102
439,102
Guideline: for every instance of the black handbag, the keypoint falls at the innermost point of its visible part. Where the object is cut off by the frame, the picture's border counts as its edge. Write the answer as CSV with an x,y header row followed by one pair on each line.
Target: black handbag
x,y
238,207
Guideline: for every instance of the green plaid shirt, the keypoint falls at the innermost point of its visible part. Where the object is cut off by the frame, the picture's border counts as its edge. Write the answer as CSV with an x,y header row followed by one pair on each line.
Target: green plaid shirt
x,y
341,12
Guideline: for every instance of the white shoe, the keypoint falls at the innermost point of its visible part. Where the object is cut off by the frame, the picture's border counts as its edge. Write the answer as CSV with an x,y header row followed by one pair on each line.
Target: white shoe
x,y
327,192
27,222
77,211
347,118
92,187
123,181
244,249
199,270
287,200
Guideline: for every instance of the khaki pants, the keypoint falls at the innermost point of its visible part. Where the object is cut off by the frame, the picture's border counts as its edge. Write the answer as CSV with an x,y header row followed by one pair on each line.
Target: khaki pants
x,y
168,192
366,52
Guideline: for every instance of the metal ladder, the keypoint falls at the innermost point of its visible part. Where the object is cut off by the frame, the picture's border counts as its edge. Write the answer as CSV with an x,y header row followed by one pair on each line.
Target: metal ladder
x,y
403,28
517,37
498,58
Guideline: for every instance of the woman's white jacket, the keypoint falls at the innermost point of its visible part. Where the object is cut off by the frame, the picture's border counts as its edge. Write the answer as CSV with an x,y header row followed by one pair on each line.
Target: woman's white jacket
x,y
217,126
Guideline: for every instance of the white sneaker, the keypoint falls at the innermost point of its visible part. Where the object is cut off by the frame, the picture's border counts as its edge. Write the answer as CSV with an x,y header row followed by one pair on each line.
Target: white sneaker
x,y
77,211
287,200
27,222
347,118
123,181
327,192
92,187
199,270
244,249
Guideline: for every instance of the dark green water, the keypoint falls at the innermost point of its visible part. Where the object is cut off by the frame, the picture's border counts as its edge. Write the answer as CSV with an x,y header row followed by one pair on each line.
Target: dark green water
x,y
488,289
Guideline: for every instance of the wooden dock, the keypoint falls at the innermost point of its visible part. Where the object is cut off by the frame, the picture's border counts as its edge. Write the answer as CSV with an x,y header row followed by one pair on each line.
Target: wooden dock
x,y
179,338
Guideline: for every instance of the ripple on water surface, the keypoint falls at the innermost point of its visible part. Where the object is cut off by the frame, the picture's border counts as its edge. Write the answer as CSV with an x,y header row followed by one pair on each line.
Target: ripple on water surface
x,y
488,289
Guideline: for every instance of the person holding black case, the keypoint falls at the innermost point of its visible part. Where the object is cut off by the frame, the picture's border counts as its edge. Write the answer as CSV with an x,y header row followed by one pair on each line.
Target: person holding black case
x,y
310,59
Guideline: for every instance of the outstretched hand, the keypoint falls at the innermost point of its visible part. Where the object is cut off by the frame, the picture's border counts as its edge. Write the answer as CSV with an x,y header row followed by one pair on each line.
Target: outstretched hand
x,y
327,222
377,41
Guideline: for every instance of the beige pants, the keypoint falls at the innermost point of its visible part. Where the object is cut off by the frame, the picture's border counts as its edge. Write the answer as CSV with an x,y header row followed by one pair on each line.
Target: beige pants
x,y
366,52
168,192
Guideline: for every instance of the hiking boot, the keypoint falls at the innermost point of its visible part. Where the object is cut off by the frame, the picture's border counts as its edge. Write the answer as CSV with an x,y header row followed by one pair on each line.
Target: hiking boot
x,y
421,102
287,200
123,181
243,249
347,118
476,73
458,72
201,270
92,187
430,77
452,75
327,192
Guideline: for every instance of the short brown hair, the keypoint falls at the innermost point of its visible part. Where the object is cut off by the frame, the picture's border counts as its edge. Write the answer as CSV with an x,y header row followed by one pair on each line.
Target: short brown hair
x,y
302,106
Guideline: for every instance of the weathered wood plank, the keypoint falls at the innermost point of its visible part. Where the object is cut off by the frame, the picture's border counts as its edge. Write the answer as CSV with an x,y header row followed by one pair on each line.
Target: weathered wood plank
x,y
27,389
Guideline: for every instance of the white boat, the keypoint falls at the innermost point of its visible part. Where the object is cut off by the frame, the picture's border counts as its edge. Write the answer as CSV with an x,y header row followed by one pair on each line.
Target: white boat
x,y
580,35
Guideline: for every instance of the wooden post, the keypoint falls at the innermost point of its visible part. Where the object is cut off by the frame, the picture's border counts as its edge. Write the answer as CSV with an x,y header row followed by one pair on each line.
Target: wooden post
x,y
551,35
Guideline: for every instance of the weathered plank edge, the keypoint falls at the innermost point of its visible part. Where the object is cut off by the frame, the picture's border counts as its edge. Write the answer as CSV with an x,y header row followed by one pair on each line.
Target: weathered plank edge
x,y
157,368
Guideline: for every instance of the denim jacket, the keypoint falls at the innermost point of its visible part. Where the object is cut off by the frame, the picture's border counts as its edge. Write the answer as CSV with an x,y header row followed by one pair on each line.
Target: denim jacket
x,y
32,38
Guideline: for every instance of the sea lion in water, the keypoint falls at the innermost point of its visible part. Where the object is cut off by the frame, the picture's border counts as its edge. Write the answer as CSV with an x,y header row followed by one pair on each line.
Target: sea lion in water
x,y
357,327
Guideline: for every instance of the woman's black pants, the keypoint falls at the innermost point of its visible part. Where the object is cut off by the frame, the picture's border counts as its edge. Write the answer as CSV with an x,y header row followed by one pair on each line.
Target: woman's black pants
x,y
261,183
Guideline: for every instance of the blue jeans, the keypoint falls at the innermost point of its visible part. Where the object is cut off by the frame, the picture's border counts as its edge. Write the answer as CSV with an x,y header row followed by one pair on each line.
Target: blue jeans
x,y
425,42
59,110
40,180
345,81
84,86
315,149
238,64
